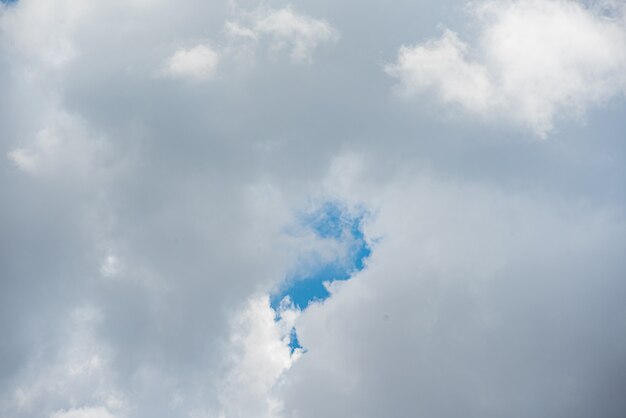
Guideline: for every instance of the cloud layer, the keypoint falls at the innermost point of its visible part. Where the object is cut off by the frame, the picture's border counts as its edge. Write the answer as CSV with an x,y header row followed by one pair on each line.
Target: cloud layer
x,y
158,158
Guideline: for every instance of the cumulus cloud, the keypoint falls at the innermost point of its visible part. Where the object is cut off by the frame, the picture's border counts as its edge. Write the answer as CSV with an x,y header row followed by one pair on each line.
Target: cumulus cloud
x,y
532,62
442,64
257,358
196,63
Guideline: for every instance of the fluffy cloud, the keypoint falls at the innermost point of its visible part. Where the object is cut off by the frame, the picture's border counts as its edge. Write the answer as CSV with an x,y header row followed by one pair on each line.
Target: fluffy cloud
x,y
258,357
533,62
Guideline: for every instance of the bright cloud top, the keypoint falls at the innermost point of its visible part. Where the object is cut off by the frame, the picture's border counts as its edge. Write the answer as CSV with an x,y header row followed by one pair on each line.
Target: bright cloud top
x,y
258,360
533,62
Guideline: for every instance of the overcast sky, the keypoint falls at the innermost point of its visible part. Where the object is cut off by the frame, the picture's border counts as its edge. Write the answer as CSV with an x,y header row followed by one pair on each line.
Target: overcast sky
x,y
265,209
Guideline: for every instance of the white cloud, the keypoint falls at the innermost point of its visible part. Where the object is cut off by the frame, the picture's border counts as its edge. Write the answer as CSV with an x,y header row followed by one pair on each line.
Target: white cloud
x,y
533,62
259,356
284,29
197,63
442,64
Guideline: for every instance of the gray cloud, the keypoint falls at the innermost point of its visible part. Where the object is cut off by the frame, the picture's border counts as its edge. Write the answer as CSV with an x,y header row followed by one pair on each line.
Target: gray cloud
x,y
142,216
476,303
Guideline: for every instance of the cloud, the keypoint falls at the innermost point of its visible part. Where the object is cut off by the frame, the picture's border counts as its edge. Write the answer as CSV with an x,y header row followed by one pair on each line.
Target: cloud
x,y
64,149
42,33
263,342
76,370
470,305
86,412
341,250
533,62
258,357
264,28
197,63
283,29
110,266
442,64
145,223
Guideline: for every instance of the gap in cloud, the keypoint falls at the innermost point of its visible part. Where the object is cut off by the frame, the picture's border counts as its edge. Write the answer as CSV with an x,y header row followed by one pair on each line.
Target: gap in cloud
x,y
331,222
334,224
294,344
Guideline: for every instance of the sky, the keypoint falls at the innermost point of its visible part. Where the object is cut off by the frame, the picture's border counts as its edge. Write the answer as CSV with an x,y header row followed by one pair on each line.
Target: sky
x,y
274,209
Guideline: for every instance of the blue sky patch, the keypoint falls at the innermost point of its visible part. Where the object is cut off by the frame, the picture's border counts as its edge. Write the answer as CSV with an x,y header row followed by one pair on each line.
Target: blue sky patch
x,y
332,222
294,344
